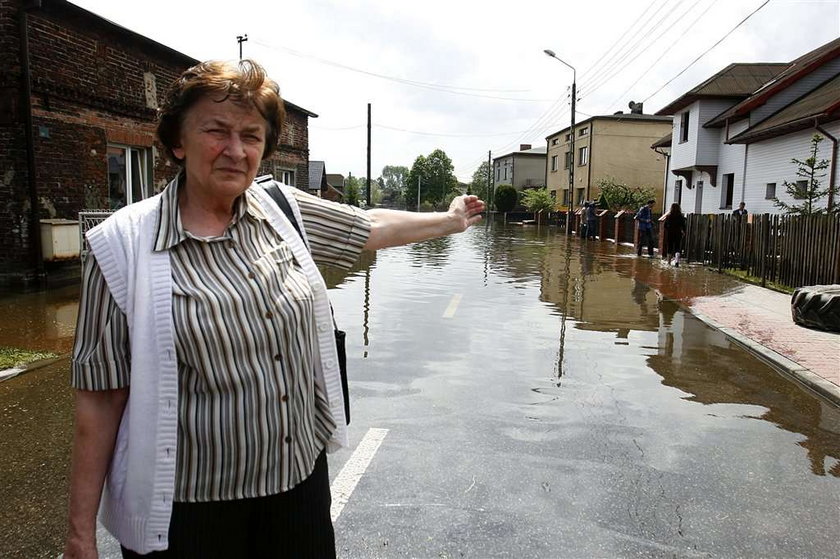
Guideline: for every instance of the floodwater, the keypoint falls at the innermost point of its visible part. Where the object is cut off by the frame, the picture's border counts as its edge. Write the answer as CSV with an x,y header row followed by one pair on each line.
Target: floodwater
x,y
543,398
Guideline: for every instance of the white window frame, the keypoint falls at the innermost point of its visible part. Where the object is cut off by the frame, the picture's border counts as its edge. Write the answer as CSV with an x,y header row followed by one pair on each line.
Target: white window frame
x,y
583,156
286,176
769,190
144,189
553,162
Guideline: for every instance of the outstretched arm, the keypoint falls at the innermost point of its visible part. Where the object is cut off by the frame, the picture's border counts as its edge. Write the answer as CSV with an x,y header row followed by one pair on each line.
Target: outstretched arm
x,y
394,228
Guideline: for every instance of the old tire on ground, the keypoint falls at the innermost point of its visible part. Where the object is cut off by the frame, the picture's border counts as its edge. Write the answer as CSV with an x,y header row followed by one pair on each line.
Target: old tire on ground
x,y
817,306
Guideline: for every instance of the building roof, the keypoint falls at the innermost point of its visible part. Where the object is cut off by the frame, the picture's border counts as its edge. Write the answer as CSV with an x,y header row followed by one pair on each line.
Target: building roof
x,y
663,142
78,15
336,180
738,80
800,67
817,106
537,152
630,117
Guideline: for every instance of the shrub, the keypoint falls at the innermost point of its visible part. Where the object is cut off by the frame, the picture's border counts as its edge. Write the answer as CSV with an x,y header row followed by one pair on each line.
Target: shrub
x,y
505,199
537,200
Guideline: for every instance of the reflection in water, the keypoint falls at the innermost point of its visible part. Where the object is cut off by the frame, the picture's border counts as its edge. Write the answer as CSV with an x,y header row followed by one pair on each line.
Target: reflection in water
x,y
42,320
690,356
433,253
731,379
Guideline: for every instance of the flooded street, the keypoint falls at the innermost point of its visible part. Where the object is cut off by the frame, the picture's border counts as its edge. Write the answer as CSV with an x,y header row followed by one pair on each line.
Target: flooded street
x,y
543,398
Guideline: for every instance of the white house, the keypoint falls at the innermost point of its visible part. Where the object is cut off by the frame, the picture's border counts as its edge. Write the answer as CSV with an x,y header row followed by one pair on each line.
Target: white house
x,y
735,134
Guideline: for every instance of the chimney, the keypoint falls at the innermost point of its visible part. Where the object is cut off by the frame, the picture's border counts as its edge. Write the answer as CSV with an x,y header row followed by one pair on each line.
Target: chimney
x,y
636,108
524,147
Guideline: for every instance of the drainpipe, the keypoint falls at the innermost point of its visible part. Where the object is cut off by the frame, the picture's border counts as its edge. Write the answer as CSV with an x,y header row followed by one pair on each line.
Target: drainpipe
x,y
744,174
833,167
26,78
667,157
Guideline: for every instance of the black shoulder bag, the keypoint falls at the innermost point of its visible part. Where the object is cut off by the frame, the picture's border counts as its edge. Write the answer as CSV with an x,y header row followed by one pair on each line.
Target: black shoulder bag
x,y
277,195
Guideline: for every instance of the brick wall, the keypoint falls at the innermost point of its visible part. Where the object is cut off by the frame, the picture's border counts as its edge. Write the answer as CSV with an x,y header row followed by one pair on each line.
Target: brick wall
x,y
294,149
89,87
93,83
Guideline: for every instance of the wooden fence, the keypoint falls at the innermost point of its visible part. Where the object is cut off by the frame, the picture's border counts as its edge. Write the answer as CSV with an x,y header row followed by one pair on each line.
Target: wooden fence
x,y
787,250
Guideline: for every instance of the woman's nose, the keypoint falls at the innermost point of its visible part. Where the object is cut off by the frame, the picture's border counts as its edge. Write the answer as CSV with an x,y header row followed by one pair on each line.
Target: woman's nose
x,y
234,148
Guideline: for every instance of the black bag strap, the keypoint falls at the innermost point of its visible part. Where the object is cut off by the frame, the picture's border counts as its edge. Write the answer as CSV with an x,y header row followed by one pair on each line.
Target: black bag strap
x,y
273,190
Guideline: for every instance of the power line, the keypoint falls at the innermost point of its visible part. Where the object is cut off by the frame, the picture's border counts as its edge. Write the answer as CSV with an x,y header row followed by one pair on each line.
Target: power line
x,y
610,72
626,31
705,52
454,90
665,51
418,132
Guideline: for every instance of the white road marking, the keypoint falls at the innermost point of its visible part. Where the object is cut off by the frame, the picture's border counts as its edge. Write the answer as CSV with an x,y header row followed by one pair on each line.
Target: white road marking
x,y
453,306
346,480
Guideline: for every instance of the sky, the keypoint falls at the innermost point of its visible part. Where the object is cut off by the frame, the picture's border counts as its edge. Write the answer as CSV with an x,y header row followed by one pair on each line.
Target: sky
x,y
470,76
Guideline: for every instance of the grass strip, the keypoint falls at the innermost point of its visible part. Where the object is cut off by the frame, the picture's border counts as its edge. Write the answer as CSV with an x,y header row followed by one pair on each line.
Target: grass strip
x,y
16,357
743,276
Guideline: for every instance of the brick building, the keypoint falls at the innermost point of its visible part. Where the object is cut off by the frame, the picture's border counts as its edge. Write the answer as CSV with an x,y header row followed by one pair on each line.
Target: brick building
x,y
87,90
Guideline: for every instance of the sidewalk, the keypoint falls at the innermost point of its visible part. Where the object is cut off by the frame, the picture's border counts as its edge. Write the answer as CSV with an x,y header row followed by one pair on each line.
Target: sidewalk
x,y
760,319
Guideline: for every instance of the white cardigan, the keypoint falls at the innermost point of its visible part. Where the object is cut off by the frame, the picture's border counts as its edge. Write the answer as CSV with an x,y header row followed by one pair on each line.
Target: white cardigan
x,y
137,498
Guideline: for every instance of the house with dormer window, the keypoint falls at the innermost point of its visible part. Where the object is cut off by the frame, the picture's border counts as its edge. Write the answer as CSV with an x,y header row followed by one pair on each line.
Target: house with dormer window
x,y
735,134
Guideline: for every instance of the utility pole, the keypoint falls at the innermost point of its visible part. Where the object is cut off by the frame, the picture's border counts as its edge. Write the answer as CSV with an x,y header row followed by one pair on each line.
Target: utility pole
x,y
418,194
571,141
241,39
572,160
368,159
489,180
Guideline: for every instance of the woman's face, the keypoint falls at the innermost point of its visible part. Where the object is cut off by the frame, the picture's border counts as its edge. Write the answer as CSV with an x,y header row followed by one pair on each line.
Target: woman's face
x,y
221,146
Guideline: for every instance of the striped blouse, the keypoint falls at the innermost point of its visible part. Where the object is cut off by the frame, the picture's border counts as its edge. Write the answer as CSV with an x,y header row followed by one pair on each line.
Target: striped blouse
x,y
252,419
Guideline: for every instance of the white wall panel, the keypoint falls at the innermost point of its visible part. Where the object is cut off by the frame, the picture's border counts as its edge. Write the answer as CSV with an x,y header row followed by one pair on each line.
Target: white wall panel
x,y
770,162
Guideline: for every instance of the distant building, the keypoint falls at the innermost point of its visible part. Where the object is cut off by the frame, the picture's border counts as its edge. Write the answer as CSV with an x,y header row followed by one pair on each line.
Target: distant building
x,y
319,182
607,147
523,169
90,89
734,135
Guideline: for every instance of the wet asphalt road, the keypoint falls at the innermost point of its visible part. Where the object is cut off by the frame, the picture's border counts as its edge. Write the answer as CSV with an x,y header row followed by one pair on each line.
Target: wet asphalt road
x,y
558,408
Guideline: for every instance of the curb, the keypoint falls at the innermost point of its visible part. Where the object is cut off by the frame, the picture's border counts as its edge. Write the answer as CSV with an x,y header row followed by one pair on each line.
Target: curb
x,y
7,374
788,368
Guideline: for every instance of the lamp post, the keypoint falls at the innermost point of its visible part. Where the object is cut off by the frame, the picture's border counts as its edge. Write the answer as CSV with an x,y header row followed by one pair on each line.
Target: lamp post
x,y
571,142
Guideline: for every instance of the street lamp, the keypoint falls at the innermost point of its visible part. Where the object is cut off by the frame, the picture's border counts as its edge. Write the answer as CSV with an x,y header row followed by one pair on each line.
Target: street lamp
x,y
572,141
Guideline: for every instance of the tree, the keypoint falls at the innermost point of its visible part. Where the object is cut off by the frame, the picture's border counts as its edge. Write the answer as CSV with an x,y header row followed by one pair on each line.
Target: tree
x,y
537,200
352,190
436,176
479,185
505,198
416,178
619,196
393,183
807,189
440,177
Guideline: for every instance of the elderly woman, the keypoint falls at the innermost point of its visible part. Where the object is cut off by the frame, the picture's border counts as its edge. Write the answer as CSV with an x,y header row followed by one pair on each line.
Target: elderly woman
x,y
205,368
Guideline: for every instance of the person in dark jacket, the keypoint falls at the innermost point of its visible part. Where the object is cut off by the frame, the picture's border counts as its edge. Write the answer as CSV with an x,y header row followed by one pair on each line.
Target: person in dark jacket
x,y
590,212
674,230
644,217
